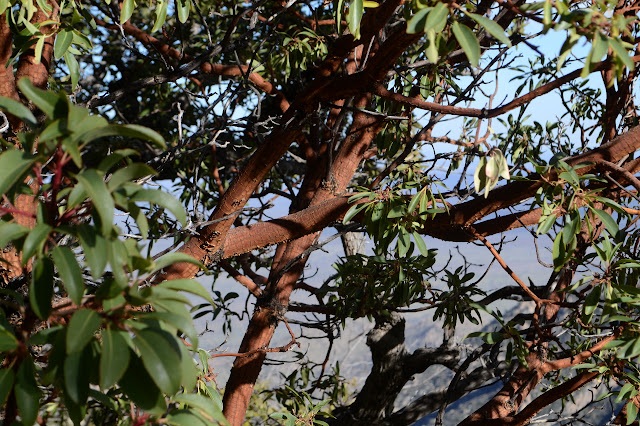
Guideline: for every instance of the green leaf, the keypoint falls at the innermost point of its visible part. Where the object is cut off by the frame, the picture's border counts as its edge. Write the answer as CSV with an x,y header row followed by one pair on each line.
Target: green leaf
x,y
37,51
161,14
83,325
74,68
162,199
185,418
94,248
76,375
608,221
546,225
437,19
616,45
632,412
352,212
11,231
354,16
468,42
41,288
27,392
129,173
20,111
62,43
188,369
127,10
127,130
178,321
417,22
139,386
69,272
101,198
204,405
491,27
190,286
420,244
14,164
34,242
44,100
176,257
8,341
7,377
114,359
183,7
160,359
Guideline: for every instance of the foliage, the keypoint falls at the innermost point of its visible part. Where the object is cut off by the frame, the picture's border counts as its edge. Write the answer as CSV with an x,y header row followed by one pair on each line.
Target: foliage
x,y
171,128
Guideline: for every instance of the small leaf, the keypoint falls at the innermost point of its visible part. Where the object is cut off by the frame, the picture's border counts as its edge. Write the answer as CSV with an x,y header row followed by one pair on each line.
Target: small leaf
x,y
100,197
7,377
14,164
417,22
94,248
492,27
161,14
190,286
20,111
183,7
76,375
41,288
8,341
422,247
176,257
74,68
437,19
468,42
37,51
129,173
616,45
160,359
162,199
354,16
69,272
62,43
353,211
127,10
608,221
82,327
44,100
27,392
632,412
114,359
139,386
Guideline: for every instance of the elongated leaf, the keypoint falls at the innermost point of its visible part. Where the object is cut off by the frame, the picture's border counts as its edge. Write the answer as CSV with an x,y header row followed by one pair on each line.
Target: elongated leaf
x,y
34,242
190,286
353,211
13,164
127,10
183,7
76,375
26,392
491,27
114,359
8,341
69,272
621,52
74,68
20,111
437,19
422,247
176,257
81,329
94,248
129,173
468,42
103,203
41,288
44,100
62,43
128,130
417,22
7,377
11,231
162,199
160,359
608,221
161,14
205,405
139,386
354,16
178,321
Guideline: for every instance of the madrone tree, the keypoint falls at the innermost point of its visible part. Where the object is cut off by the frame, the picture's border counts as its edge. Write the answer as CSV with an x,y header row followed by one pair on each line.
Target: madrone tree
x,y
144,143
